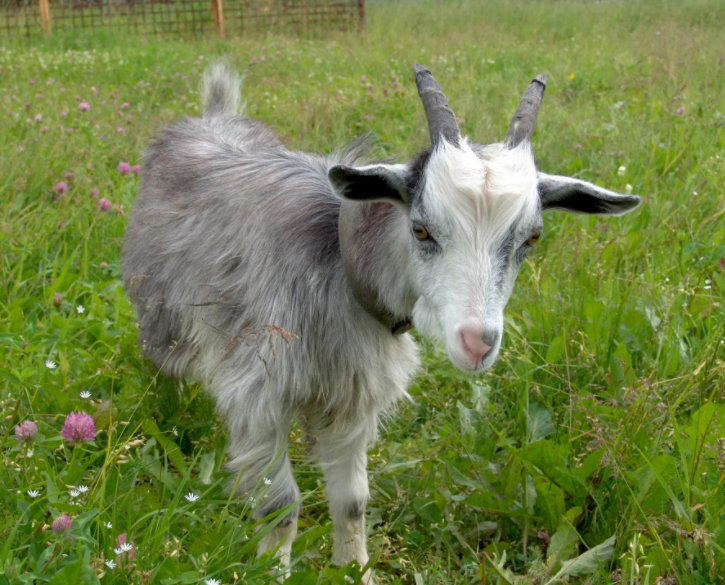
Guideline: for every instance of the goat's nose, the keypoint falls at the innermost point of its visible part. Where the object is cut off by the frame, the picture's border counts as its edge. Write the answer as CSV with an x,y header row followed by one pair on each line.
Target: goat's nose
x,y
474,344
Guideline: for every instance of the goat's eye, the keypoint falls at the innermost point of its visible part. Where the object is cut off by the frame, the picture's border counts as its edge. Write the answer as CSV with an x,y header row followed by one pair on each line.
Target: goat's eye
x,y
420,232
533,238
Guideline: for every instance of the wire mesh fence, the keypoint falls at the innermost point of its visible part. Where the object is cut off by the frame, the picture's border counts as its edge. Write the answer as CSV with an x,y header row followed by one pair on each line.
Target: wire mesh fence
x,y
186,18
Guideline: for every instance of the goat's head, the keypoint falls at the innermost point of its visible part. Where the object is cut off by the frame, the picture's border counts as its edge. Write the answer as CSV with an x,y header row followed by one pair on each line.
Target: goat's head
x,y
474,213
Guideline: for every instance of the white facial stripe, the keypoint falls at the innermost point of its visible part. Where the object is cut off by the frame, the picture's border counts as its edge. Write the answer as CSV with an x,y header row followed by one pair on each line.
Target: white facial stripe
x,y
480,194
472,201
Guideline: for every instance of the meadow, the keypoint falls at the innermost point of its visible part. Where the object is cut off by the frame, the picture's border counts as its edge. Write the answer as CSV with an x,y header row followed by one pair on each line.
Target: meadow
x,y
593,452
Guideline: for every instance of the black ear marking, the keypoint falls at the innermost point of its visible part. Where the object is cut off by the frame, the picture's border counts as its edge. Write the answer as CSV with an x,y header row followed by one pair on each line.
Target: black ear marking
x,y
576,196
376,183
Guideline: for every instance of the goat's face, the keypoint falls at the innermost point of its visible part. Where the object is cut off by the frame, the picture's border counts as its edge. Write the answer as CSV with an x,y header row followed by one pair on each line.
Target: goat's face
x,y
473,213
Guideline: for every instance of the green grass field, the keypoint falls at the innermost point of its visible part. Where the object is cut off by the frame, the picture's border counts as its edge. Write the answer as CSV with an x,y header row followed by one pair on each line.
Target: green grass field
x,y
593,452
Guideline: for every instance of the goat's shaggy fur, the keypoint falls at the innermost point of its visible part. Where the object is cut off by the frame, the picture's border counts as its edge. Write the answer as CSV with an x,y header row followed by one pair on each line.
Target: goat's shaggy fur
x,y
233,257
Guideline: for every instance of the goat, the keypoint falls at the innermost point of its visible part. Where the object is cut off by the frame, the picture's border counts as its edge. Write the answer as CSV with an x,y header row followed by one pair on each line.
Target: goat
x,y
234,233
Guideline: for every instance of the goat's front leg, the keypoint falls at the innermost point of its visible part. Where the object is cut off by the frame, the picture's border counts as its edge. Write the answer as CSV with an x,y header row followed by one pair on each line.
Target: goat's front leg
x,y
344,460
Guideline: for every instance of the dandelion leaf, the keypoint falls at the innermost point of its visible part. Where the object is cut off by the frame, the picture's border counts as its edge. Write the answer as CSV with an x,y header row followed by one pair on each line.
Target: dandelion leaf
x,y
585,564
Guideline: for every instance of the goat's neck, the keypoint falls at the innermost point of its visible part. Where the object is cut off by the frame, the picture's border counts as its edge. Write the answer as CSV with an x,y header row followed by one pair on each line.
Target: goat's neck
x,y
376,256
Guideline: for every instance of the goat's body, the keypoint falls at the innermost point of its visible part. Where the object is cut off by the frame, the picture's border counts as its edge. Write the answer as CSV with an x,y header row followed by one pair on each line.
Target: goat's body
x,y
232,233
233,236
235,242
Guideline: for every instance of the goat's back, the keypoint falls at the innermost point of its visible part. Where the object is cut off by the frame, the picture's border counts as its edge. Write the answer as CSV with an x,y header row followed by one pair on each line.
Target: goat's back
x,y
229,227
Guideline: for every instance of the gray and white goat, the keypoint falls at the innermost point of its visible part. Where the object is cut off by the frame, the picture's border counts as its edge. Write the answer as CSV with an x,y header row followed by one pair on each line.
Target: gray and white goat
x,y
233,233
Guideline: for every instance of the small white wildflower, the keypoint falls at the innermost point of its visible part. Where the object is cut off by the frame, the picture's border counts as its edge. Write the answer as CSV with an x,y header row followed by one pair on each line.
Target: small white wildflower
x,y
191,497
708,287
694,193
667,280
125,547
127,446
267,481
708,281
74,493
628,189
108,525
111,564
212,582
621,171
80,309
85,394
83,489
33,493
176,433
30,453
50,364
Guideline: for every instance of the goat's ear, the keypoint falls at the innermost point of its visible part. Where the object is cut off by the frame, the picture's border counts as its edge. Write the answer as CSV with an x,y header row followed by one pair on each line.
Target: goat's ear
x,y
370,183
577,196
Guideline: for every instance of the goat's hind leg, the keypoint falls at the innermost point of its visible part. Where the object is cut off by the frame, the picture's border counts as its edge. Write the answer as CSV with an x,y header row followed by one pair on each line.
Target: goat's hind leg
x,y
264,479
260,465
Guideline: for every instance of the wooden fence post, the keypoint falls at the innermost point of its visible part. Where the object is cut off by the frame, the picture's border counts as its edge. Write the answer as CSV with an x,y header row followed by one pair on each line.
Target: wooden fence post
x,y
44,16
219,17
361,14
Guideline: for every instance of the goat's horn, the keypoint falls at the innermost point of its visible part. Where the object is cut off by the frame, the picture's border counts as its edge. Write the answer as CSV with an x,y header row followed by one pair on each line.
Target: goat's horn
x,y
441,119
522,124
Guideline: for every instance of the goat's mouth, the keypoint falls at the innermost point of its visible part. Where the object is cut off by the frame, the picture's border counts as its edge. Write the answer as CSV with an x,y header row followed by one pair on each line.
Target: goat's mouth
x,y
466,362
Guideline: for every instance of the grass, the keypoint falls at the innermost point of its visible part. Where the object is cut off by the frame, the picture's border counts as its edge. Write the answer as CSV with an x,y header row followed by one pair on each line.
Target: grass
x,y
601,427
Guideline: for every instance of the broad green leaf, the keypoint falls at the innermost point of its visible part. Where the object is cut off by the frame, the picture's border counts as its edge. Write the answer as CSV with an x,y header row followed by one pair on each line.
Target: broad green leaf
x,y
585,564
565,539
539,422
172,449
550,504
551,459
63,364
76,574
555,350
206,468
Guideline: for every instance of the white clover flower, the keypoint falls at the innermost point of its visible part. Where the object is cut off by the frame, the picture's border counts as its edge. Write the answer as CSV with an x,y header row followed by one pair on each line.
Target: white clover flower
x,y
50,364
212,582
108,525
33,493
191,497
74,493
111,564
85,394
80,309
621,171
83,489
628,189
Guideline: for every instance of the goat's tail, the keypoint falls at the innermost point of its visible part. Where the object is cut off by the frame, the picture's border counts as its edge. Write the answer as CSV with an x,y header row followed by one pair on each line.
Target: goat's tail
x,y
221,90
